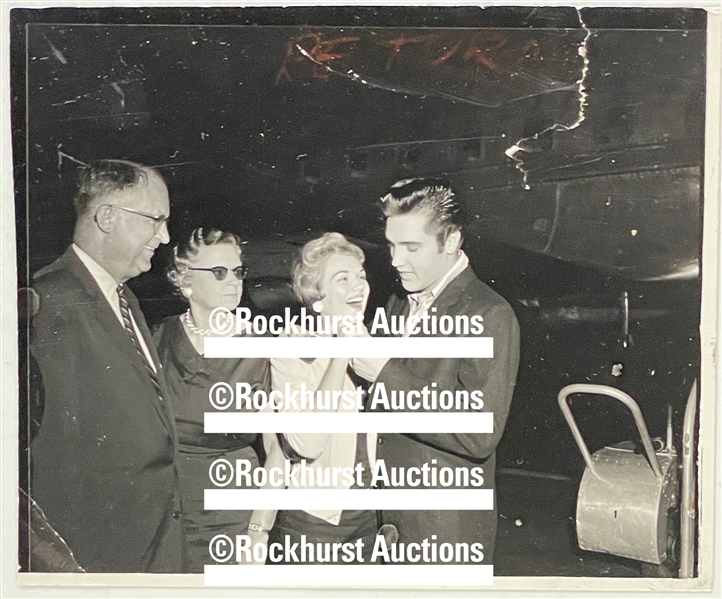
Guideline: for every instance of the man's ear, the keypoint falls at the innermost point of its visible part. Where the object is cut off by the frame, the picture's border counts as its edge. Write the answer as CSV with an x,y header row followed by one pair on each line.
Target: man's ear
x,y
104,218
453,242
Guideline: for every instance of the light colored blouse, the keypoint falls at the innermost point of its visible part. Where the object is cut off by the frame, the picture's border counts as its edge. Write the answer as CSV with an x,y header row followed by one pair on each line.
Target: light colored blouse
x,y
327,450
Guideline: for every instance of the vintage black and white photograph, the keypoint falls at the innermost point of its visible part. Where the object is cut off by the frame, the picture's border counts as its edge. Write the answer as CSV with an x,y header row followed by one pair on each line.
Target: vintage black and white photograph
x,y
537,171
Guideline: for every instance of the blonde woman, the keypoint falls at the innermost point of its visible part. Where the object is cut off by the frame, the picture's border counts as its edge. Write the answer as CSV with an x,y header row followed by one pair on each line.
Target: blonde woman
x,y
328,277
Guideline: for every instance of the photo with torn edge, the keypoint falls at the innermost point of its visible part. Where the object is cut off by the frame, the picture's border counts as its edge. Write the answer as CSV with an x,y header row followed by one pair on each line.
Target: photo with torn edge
x,y
533,180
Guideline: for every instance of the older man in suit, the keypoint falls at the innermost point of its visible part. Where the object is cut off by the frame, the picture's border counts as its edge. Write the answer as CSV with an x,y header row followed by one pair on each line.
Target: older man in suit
x,y
102,465
424,234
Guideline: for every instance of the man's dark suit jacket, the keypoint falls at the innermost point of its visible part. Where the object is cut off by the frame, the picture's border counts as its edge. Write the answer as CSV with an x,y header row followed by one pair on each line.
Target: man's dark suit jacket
x,y
102,465
495,377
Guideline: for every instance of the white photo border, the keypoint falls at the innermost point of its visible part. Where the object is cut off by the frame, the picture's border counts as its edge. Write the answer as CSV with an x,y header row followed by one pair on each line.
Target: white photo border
x,y
710,485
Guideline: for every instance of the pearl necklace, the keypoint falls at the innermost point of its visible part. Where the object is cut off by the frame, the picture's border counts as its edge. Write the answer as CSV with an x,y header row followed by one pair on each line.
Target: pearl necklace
x,y
194,329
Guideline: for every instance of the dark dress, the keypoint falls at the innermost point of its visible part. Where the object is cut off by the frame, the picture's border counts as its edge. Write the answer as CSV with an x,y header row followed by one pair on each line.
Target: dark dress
x,y
292,525
189,377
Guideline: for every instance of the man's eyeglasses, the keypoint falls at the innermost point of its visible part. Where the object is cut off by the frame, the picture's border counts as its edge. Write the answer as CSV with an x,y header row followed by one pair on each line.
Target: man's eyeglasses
x,y
221,272
158,221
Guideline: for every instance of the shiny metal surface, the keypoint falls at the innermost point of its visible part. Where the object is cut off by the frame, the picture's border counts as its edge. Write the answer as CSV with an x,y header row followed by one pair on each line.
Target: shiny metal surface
x,y
622,506
617,394
624,496
688,511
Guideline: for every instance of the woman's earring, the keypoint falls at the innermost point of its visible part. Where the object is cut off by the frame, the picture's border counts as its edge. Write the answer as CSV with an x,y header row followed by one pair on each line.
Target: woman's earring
x,y
187,292
317,306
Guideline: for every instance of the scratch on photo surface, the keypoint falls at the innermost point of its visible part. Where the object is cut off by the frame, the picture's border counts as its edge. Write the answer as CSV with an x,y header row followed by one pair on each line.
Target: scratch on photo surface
x,y
323,58
176,164
582,94
374,84
62,155
120,92
350,73
57,53
71,101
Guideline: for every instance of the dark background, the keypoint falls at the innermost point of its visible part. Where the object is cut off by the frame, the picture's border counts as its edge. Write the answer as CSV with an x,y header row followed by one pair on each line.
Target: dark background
x,y
613,206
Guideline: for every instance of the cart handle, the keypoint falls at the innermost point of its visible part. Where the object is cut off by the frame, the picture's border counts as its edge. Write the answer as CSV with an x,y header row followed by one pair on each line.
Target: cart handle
x,y
616,394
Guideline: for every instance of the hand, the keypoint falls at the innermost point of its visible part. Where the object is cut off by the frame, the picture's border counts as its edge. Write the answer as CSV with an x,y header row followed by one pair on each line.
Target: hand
x,y
257,537
356,332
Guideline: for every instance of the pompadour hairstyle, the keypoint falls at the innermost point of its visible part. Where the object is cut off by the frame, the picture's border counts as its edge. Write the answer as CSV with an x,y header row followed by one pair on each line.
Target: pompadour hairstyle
x,y
430,195
307,271
104,177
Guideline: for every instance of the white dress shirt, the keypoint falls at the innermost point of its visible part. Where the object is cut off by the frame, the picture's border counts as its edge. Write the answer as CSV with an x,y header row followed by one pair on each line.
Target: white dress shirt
x,y
419,303
327,450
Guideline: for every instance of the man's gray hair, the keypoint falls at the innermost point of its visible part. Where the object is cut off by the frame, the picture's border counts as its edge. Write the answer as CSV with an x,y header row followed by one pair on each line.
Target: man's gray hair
x,y
103,177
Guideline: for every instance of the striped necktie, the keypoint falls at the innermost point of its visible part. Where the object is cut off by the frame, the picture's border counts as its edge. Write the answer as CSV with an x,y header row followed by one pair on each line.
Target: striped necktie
x,y
418,304
130,329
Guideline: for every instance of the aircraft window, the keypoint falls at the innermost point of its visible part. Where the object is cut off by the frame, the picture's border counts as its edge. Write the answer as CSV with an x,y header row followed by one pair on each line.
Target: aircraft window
x,y
616,125
694,115
358,162
410,157
472,149
312,171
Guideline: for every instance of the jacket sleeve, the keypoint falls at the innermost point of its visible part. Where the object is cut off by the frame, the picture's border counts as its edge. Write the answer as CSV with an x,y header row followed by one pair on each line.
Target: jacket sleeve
x,y
61,445
494,377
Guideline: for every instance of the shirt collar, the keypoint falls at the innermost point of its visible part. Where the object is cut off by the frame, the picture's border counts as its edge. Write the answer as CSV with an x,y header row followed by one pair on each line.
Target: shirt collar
x,y
108,285
431,293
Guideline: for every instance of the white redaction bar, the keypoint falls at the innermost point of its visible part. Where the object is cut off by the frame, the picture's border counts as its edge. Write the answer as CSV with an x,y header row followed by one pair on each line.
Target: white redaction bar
x,y
348,499
348,422
349,347
344,575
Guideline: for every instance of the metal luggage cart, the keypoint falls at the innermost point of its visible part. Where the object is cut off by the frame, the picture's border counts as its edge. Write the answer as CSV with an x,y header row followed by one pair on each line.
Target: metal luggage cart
x,y
625,497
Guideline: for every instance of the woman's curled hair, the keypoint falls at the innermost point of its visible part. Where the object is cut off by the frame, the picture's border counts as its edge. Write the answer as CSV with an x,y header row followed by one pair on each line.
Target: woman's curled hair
x,y
309,267
179,272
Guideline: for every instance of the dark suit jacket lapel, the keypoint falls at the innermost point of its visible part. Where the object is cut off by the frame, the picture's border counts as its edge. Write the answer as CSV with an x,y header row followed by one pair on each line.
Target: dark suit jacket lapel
x,y
142,326
451,293
111,325
166,409
103,312
399,305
